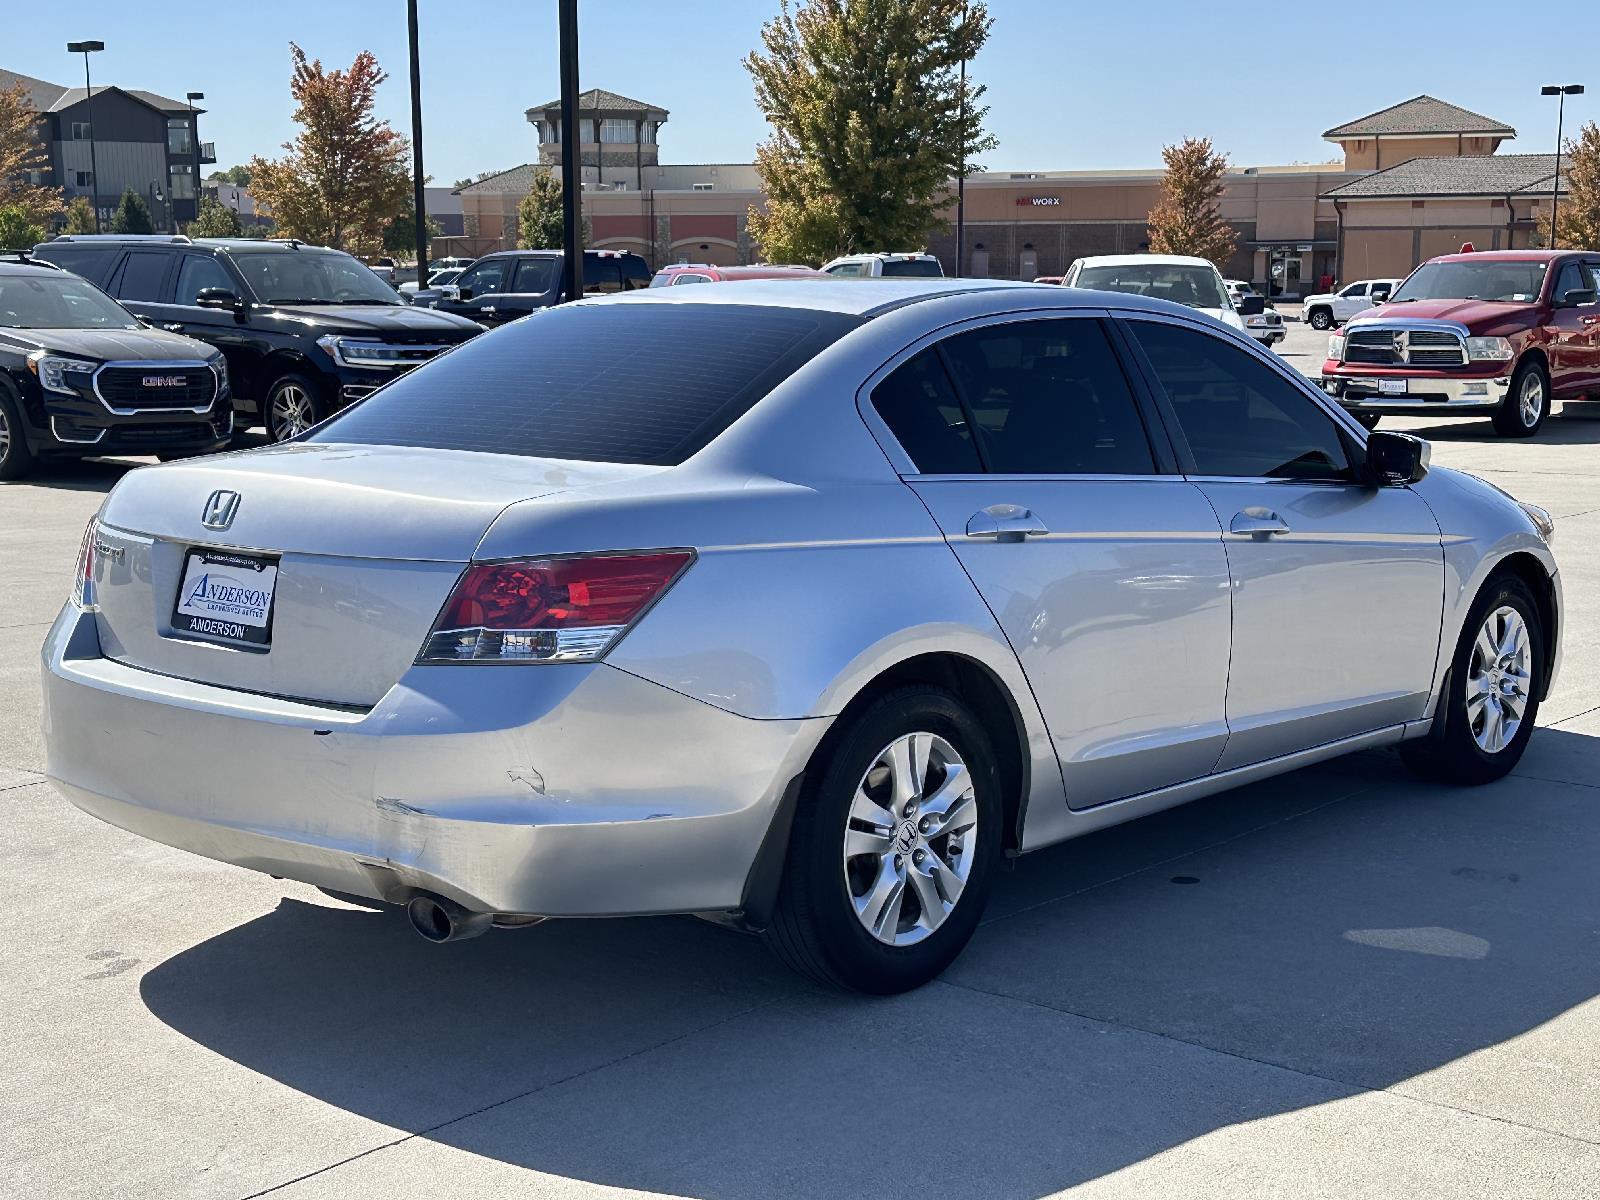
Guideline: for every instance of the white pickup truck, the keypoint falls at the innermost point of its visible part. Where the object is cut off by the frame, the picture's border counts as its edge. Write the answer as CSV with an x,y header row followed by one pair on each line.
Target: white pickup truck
x,y
1335,308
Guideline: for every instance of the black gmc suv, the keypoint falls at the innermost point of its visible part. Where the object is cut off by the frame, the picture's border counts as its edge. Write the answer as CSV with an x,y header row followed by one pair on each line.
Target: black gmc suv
x,y
306,330
508,284
81,375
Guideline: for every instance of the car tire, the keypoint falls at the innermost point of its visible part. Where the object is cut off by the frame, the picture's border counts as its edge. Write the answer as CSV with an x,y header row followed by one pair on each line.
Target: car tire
x,y
883,903
16,458
293,405
1465,746
1320,319
1527,404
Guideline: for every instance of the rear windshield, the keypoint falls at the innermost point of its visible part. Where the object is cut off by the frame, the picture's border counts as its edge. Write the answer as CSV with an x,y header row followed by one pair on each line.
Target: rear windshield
x,y
921,268
622,383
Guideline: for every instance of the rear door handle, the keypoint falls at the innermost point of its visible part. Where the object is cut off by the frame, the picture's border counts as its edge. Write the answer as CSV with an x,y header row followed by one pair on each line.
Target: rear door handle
x,y
1258,523
1005,523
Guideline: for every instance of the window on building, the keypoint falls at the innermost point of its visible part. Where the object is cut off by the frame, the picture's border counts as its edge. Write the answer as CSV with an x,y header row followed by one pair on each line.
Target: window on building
x,y
82,178
649,135
179,136
615,130
182,181
80,131
704,187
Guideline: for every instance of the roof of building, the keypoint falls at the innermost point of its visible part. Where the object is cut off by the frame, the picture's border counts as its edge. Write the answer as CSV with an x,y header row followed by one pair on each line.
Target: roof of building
x,y
1420,115
515,179
1472,175
52,97
600,100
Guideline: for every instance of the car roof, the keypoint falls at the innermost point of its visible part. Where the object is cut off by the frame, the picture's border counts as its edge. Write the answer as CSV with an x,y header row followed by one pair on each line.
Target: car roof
x,y
1542,256
752,271
1133,260
870,297
14,267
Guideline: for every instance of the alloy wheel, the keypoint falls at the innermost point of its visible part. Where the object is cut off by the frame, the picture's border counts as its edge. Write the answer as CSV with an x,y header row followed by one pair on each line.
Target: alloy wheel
x,y
1530,400
1499,679
291,413
911,839
5,436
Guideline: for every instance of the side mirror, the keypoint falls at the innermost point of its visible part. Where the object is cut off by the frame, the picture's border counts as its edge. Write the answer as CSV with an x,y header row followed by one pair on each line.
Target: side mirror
x,y
1573,297
463,293
1380,298
1396,459
1252,306
218,298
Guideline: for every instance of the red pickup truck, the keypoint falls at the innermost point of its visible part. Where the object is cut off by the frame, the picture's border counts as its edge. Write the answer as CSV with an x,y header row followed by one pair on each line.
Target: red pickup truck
x,y
1508,333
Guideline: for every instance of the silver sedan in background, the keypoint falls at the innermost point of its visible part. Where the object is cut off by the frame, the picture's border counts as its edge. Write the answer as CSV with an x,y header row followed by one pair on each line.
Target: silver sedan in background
x,y
795,605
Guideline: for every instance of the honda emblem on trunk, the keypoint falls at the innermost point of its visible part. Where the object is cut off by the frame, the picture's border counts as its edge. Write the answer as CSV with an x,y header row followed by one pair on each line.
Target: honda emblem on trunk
x,y
220,509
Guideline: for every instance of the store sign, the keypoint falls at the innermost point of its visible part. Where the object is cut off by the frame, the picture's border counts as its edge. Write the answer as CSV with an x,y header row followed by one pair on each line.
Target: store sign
x,y
1038,201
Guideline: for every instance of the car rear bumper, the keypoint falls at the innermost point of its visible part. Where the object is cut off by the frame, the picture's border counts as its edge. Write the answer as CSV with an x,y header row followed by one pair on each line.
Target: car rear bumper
x,y
571,790
1361,392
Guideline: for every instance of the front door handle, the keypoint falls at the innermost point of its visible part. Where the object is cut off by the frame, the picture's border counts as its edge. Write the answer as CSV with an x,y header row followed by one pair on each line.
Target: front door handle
x,y
1258,523
173,326
1005,523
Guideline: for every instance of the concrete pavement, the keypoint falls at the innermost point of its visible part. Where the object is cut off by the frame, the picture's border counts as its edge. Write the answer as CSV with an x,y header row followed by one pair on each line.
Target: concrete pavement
x,y
1340,983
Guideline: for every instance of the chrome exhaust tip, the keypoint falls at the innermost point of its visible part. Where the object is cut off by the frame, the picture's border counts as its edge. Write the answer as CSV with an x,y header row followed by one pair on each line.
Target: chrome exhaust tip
x,y
441,920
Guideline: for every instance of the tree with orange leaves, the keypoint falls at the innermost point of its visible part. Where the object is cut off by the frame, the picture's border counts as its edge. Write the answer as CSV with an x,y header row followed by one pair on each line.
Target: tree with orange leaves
x,y
344,177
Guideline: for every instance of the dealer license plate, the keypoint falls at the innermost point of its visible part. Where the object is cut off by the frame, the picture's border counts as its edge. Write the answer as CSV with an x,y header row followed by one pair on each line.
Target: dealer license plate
x,y
226,597
1391,387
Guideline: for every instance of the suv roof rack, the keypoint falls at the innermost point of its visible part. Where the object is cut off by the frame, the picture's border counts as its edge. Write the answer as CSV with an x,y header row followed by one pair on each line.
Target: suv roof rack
x,y
168,238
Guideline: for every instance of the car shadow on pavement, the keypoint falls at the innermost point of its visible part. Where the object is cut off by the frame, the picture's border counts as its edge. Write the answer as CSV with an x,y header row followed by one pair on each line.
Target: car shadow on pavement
x,y
1276,948
1557,431
82,474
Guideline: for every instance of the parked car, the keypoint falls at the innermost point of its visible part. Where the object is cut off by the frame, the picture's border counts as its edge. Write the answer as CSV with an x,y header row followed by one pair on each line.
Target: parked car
x,y
384,269
80,375
1327,309
802,605
449,263
1508,333
509,284
1048,279
885,266
681,273
440,283
1193,282
306,330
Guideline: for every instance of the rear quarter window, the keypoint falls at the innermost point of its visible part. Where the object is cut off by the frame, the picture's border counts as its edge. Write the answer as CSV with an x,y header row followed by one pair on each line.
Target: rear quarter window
x,y
623,383
93,263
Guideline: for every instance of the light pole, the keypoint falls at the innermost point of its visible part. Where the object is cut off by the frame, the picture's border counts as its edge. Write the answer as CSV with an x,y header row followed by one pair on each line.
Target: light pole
x,y
571,156
155,207
419,201
86,49
961,177
1562,90
194,133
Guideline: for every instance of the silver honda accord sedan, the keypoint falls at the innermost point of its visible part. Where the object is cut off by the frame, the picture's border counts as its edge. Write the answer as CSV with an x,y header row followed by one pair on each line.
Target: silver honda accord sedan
x,y
796,605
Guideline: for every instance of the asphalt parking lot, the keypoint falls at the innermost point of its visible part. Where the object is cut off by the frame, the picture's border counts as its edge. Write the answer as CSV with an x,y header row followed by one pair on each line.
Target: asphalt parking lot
x,y
1337,983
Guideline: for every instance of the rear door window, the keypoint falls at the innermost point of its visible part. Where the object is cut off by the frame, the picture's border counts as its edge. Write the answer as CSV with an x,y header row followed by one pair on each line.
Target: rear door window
x,y
601,275
926,417
144,277
623,383
535,276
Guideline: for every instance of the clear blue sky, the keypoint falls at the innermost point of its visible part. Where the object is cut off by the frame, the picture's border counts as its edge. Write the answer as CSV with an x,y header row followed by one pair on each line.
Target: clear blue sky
x,y
1072,85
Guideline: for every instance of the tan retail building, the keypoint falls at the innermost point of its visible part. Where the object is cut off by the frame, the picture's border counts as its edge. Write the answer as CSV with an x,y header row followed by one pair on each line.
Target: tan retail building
x,y
1416,179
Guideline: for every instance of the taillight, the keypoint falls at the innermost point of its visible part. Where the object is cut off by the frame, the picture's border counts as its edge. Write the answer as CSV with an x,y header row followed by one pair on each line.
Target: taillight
x,y
549,609
83,585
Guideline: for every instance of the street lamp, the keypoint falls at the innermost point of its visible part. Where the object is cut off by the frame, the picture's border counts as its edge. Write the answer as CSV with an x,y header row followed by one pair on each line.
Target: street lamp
x,y
86,49
1562,90
156,197
194,132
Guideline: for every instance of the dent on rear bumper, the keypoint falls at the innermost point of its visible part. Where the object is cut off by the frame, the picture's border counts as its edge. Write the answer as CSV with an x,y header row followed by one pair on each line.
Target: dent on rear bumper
x,y
573,790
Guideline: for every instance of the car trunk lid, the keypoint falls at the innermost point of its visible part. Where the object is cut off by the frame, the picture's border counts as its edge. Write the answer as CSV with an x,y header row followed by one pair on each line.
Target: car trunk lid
x,y
364,545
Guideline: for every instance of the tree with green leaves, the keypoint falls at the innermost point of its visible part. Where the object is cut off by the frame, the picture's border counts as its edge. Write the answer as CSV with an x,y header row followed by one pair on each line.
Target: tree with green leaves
x,y
80,216
214,220
344,177
17,229
132,215
400,234
22,151
1579,227
870,122
1188,217
239,176
539,216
